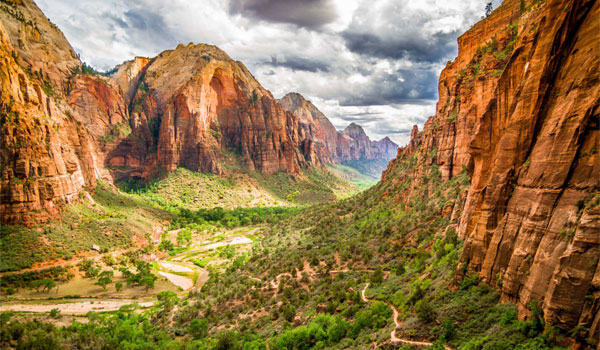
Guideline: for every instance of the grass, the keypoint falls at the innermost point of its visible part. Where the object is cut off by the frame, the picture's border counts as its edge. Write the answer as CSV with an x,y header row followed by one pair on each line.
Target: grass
x,y
353,176
113,221
242,188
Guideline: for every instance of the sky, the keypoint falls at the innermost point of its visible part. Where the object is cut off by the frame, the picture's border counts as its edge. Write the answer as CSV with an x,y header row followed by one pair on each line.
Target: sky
x,y
372,62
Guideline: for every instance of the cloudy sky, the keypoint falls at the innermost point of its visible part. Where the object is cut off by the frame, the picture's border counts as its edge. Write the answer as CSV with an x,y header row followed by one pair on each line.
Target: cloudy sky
x,y
373,62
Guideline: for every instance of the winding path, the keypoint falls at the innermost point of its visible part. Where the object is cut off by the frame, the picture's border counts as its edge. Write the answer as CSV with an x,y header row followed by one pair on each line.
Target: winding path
x,y
79,307
393,337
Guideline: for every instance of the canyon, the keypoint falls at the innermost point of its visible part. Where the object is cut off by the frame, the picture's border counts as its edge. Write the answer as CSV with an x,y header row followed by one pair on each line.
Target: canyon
x,y
66,126
489,215
331,145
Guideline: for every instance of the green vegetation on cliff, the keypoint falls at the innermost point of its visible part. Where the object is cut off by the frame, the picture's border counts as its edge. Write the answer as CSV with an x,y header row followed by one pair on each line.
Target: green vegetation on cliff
x,y
242,188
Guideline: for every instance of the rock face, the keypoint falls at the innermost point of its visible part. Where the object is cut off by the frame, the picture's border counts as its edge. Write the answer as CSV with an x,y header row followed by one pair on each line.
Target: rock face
x,y
190,104
519,110
47,155
332,146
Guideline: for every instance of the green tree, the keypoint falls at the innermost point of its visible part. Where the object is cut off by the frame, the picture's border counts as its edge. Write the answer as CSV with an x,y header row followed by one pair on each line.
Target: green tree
x,y
166,245
226,341
118,286
288,311
55,313
198,328
148,281
48,284
337,331
104,279
377,276
167,299
36,284
425,311
40,339
488,9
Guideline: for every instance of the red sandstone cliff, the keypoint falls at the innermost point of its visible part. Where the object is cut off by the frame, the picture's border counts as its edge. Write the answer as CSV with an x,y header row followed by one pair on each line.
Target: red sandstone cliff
x,y
191,103
47,149
331,145
519,110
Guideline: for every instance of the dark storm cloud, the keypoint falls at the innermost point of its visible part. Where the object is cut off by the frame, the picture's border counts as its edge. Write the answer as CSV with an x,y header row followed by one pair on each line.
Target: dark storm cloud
x,y
303,13
438,47
149,27
414,86
354,117
299,64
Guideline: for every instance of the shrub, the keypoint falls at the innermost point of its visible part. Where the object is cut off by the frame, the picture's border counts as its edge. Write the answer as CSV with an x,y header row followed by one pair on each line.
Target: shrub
x,y
198,328
55,313
425,311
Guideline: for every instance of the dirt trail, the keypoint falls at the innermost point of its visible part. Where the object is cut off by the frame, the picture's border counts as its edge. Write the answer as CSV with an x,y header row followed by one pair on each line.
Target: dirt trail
x,y
393,337
362,293
72,262
75,308
274,284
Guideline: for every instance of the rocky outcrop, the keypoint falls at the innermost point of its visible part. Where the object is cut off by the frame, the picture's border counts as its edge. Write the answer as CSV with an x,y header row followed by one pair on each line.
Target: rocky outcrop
x,y
332,146
519,110
360,145
388,147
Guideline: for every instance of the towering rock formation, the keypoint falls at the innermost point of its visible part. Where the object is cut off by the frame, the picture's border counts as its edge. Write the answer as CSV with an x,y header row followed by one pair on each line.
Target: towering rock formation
x,y
189,104
519,110
332,146
46,152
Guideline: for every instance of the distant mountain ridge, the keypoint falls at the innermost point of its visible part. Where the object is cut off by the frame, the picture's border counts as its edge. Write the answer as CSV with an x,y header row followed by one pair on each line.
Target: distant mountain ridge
x,y
331,145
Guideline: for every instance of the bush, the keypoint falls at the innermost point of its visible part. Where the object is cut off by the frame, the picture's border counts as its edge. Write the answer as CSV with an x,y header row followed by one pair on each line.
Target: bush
x,y
425,311
166,245
55,313
469,281
198,328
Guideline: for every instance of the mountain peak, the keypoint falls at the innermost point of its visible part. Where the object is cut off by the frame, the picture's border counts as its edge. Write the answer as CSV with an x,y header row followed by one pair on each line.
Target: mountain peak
x,y
355,131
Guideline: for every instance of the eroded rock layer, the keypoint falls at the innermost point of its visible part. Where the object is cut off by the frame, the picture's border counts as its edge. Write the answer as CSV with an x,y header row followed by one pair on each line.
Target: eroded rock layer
x,y
47,155
519,110
190,104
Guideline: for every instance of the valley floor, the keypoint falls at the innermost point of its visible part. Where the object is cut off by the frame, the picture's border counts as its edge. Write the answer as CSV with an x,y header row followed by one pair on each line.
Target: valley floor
x,y
357,273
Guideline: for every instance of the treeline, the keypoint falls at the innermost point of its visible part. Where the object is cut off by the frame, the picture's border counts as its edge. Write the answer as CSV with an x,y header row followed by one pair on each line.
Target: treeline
x,y
22,280
232,218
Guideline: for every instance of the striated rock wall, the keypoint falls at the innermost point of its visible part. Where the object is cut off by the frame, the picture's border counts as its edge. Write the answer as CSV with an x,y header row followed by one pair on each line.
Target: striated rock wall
x,y
46,154
519,110
332,146
193,103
